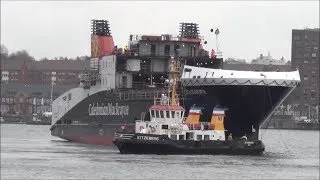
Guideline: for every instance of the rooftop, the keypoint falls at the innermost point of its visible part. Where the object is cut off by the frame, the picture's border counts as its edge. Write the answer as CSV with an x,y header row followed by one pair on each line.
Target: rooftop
x,y
33,90
46,65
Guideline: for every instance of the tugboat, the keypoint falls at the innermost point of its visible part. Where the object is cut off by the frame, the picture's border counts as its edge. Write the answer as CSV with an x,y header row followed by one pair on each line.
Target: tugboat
x,y
169,132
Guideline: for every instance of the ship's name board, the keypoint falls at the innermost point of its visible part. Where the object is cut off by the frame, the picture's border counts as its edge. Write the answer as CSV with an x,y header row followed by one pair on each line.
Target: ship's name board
x,y
148,138
109,110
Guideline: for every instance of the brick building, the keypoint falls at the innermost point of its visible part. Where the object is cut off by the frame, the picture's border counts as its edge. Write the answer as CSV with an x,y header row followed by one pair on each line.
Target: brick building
x,y
305,57
23,99
26,85
42,72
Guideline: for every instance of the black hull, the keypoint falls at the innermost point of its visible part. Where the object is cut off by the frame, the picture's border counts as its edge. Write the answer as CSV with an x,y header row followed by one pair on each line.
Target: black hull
x,y
165,145
88,134
248,106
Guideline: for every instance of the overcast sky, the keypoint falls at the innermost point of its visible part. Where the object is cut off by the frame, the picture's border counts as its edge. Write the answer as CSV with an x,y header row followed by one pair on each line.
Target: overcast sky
x,y
52,29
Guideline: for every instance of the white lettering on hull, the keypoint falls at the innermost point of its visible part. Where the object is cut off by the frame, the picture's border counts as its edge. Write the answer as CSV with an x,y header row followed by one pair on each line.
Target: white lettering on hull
x,y
109,110
148,138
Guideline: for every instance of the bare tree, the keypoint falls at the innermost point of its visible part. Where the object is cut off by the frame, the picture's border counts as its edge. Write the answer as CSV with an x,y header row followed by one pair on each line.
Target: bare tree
x,y
21,55
4,51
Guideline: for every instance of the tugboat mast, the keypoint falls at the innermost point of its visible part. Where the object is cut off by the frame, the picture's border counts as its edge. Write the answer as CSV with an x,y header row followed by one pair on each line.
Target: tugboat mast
x,y
175,71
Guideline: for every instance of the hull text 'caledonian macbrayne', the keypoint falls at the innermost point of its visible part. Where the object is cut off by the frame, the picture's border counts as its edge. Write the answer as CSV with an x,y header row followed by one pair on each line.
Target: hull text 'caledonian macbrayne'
x,y
121,85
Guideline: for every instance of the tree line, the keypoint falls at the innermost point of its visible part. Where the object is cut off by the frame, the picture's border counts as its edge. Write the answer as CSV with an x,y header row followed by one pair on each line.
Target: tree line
x,y
24,55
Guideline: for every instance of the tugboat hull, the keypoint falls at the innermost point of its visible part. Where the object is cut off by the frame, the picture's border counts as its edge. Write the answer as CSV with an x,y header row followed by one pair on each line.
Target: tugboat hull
x,y
162,144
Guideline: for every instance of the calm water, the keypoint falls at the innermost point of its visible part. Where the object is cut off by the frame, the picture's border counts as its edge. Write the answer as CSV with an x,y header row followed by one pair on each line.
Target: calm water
x,y
29,152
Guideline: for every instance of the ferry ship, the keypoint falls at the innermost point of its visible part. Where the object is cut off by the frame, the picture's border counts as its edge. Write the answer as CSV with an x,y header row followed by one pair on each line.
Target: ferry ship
x,y
121,85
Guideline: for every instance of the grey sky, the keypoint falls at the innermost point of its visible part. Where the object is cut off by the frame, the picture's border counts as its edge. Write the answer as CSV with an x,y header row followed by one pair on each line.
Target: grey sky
x,y
50,29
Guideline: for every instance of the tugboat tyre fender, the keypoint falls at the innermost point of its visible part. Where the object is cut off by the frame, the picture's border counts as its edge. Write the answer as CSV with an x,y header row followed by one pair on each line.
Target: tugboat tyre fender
x,y
174,132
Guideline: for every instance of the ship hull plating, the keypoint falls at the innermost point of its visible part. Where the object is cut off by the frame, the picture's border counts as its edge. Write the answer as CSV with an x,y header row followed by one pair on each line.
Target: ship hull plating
x,y
88,134
106,112
161,144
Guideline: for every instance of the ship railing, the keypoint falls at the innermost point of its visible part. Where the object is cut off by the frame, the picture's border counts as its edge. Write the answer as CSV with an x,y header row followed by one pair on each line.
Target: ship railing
x,y
140,95
158,37
201,126
165,101
161,101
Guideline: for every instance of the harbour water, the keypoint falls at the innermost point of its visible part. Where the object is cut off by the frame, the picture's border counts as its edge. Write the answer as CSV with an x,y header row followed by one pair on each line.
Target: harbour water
x,y
30,152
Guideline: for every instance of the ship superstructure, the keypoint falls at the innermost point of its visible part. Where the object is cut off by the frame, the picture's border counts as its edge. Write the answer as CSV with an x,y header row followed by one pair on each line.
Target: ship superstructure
x,y
122,82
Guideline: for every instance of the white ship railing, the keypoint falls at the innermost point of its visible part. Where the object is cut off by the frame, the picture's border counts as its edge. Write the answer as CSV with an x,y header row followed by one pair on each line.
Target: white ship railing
x,y
164,101
140,95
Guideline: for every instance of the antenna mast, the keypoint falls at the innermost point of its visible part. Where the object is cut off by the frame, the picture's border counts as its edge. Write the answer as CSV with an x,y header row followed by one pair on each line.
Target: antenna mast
x,y
217,43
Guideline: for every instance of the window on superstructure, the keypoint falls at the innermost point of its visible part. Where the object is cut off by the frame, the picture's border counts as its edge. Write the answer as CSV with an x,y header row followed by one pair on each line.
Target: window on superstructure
x,y
190,50
177,114
205,137
153,49
167,114
181,137
157,114
167,50
164,127
161,114
152,113
174,137
172,114
199,137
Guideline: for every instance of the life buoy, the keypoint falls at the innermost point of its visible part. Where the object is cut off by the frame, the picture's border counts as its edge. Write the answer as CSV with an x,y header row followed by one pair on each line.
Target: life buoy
x,y
101,132
123,127
153,129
